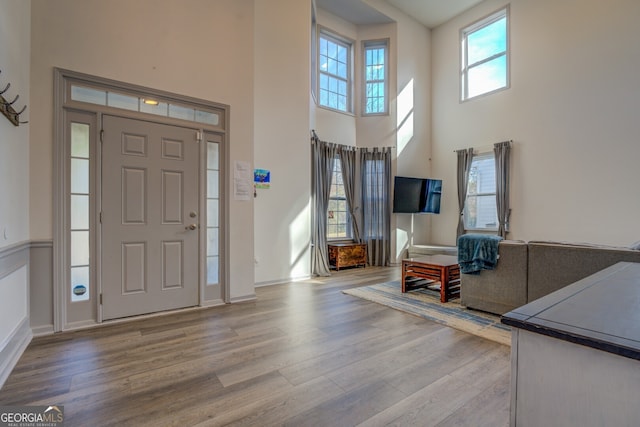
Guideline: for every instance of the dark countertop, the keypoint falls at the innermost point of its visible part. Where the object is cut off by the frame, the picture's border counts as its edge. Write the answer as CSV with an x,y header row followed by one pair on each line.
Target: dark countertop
x,y
600,311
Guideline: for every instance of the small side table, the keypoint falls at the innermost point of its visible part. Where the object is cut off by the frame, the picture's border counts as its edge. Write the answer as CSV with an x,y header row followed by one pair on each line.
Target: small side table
x,y
423,271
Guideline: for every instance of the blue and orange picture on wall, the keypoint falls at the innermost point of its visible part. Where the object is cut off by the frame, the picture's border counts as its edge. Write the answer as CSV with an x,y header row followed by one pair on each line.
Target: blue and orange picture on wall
x,y
262,178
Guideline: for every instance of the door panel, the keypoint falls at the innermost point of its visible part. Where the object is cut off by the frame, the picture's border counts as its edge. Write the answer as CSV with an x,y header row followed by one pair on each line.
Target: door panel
x,y
149,194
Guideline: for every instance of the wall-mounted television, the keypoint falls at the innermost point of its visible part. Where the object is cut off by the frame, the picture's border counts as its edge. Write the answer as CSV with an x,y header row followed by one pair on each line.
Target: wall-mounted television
x,y
416,195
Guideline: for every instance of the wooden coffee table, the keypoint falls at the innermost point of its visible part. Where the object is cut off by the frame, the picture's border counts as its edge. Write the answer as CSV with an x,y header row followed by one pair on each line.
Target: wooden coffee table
x,y
427,270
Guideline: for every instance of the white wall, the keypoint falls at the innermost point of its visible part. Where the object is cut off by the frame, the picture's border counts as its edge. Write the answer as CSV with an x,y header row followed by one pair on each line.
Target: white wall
x,y
281,128
14,141
412,121
14,183
333,126
572,112
198,48
408,125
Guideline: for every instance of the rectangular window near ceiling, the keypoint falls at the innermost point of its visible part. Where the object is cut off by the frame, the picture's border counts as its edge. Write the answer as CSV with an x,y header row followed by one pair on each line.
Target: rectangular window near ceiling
x,y
485,55
480,209
375,77
338,218
334,69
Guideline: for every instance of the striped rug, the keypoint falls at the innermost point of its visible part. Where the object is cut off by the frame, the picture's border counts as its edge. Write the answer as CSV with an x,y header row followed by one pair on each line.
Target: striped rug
x,y
426,304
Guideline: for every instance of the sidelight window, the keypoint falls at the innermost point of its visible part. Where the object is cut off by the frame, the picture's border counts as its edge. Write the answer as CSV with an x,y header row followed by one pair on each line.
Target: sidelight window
x,y
213,213
79,212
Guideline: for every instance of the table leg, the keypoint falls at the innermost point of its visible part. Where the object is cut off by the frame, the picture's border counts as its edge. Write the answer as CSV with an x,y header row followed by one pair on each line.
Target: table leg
x,y
444,284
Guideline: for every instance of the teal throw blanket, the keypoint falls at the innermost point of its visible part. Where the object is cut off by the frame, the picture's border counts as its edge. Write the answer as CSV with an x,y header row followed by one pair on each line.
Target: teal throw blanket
x,y
477,252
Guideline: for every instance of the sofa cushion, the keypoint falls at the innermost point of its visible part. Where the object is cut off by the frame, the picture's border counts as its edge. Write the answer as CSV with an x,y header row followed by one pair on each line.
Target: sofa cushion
x,y
554,265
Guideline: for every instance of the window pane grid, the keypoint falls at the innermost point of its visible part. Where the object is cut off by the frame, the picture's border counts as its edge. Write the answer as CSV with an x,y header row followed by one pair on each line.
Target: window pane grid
x,y
79,212
375,79
338,217
333,67
213,213
480,210
484,56
133,103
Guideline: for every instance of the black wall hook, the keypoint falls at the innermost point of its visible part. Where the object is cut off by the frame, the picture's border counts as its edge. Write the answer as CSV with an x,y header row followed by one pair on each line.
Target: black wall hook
x,y
7,109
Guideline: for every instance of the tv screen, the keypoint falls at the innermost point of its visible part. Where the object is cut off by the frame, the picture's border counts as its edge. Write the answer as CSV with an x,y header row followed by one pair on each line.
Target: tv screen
x,y
416,195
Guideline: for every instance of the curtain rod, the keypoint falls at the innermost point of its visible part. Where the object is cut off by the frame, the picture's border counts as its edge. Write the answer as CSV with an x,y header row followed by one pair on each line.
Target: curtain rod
x,y
484,146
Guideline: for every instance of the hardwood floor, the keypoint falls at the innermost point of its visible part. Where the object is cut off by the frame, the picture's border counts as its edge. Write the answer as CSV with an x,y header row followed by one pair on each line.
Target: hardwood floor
x,y
303,354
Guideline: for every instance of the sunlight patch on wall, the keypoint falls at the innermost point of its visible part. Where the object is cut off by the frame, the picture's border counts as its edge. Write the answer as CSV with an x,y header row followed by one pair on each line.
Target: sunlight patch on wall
x,y
405,116
402,242
299,239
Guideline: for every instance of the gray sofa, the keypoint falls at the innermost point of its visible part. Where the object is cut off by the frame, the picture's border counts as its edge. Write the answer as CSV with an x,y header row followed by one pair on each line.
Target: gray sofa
x,y
528,271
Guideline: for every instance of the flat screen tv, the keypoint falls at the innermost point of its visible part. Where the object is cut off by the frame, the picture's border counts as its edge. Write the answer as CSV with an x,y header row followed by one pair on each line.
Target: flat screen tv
x,y
416,195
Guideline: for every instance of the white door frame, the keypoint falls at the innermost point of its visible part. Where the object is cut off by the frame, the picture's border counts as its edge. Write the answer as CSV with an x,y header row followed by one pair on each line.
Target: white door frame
x,y
63,106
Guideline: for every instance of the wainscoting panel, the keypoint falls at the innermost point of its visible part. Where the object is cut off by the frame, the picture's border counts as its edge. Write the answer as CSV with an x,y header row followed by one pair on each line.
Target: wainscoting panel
x,y
41,287
15,333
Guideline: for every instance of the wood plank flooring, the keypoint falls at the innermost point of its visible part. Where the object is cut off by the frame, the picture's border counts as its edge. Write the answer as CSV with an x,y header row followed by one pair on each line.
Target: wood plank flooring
x,y
303,354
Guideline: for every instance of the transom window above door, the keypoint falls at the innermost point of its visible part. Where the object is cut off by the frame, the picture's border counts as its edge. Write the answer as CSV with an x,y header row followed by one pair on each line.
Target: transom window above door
x,y
149,104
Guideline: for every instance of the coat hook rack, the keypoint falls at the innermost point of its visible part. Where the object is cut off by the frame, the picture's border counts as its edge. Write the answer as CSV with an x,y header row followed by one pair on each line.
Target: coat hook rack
x,y
6,107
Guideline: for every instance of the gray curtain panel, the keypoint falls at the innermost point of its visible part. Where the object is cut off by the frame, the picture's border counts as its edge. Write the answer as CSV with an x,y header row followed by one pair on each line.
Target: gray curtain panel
x,y
348,163
464,167
323,155
502,151
375,171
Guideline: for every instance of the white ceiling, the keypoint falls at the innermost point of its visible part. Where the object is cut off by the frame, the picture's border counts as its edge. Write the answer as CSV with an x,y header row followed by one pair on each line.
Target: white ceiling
x,y
430,13
433,12
354,11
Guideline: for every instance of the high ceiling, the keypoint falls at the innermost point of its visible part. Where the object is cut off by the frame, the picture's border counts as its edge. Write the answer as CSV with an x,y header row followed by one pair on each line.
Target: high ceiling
x,y
430,13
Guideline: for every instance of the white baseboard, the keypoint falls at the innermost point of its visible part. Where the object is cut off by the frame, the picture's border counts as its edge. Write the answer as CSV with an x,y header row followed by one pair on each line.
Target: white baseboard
x,y
42,330
281,281
243,298
213,303
13,348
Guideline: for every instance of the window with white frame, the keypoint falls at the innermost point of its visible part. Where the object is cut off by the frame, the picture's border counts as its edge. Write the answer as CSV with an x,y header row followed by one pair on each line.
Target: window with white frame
x,y
375,77
334,69
79,211
480,211
213,212
485,55
338,218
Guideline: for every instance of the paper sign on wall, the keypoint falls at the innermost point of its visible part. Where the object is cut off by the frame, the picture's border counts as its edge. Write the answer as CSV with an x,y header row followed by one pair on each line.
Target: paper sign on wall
x,y
242,185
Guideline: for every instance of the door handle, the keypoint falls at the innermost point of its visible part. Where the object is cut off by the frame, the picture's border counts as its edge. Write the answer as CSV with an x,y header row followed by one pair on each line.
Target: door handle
x,y
191,227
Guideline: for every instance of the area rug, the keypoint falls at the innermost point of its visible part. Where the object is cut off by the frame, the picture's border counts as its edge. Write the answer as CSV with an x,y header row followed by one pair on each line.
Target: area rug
x,y
426,303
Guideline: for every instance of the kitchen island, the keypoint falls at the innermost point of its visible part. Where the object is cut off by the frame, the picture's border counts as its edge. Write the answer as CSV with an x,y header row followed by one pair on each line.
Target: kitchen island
x,y
575,353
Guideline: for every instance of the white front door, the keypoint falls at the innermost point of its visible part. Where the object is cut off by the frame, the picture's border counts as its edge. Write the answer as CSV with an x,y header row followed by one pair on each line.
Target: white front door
x,y
150,217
